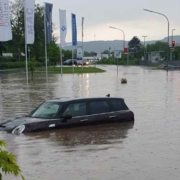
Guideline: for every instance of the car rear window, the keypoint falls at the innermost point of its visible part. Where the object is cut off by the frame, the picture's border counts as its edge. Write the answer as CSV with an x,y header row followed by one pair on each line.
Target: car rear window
x,y
118,104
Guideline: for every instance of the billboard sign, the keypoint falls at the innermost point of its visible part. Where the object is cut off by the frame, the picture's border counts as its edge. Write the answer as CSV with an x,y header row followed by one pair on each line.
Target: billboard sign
x,y
79,53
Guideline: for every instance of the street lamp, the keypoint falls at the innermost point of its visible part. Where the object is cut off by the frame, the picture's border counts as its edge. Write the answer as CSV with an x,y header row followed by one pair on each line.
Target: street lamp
x,y
168,30
121,31
144,47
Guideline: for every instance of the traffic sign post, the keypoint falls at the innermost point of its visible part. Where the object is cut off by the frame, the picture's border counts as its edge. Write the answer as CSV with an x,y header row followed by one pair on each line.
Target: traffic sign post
x,y
117,54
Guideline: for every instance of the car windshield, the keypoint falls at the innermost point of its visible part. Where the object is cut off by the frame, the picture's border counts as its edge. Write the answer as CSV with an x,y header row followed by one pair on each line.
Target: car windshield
x,y
47,110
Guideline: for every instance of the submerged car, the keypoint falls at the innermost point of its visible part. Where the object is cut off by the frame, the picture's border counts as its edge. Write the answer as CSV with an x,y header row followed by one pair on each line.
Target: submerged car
x,y
68,112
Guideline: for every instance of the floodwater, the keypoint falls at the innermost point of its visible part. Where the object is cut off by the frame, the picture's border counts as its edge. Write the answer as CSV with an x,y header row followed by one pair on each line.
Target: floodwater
x,y
148,149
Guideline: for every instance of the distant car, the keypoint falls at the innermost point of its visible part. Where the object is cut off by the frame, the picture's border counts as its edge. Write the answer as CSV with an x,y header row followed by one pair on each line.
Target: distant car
x,y
83,62
69,62
68,112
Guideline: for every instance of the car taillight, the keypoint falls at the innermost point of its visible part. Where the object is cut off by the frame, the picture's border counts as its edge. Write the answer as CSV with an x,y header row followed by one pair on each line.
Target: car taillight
x,y
132,115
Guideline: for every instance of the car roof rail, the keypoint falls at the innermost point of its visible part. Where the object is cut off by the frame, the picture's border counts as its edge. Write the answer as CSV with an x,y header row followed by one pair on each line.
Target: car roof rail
x,y
60,97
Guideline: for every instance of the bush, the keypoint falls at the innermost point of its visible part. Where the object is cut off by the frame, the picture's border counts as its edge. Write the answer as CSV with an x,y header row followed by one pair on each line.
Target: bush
x,y
11,65
18,64
123,81
7,59
8,163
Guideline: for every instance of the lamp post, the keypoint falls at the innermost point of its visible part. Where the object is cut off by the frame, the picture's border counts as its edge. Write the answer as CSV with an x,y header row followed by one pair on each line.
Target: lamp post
x,y
122,32
123,42
168,32
172,41
172,33
144,47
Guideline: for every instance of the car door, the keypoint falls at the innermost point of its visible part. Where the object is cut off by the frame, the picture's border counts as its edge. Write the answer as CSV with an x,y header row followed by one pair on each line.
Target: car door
x,y
78,110
121,111
99,111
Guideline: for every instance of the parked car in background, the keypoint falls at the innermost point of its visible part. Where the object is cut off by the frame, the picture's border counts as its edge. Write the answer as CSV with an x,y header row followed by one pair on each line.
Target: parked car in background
x,y
69,62
68,112
84,62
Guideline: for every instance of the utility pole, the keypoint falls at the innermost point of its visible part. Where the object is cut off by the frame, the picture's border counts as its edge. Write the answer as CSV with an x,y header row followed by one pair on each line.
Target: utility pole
x,y
144,47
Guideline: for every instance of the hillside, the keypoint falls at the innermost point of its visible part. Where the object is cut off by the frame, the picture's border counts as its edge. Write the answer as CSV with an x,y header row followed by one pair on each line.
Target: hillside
x,y
99,46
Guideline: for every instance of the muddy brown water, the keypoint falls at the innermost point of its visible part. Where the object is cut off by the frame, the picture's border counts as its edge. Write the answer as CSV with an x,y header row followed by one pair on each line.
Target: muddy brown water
x,y
148,149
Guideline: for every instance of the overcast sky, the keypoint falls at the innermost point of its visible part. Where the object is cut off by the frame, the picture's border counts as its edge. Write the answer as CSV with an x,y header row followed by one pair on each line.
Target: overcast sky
x,y
127,15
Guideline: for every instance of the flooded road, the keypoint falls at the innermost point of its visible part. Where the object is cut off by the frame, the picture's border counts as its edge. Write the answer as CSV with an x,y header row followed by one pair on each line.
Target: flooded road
x,y
147,149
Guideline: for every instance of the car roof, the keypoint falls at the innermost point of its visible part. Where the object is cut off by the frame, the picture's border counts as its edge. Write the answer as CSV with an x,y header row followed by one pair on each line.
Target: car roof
x,y
67,99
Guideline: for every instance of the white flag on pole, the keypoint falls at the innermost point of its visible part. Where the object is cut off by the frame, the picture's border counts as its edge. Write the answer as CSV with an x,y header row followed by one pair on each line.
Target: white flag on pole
x,y
5,24
63,27
29,21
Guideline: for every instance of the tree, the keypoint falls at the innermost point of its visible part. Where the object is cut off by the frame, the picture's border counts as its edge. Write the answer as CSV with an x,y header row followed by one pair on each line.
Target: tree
x,y
176,53
38,47
8,163
54,51
67,54
32,67
92,53
17,23
134,46
106,52
158,46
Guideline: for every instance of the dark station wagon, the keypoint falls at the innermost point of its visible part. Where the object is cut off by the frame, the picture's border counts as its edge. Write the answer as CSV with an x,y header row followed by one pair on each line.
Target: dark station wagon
x,y
68,112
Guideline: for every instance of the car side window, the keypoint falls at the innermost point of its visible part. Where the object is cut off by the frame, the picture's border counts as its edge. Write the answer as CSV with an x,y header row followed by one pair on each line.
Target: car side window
x,y
118,105
97,107
76,109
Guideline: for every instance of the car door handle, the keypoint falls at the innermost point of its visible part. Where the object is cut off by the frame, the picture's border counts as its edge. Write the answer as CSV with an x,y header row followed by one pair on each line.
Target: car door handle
x,y
84,120
112,117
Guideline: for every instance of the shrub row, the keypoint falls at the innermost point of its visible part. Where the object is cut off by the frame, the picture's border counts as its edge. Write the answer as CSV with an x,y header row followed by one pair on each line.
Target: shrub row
x,y
7,59
120,62
18,64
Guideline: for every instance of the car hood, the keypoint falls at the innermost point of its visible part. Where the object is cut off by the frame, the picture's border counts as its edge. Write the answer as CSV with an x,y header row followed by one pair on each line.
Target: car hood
x,y
20,120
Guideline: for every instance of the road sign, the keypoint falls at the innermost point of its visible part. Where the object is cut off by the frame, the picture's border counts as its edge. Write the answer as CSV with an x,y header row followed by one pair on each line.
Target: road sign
x,y
117,54
79,53
126,50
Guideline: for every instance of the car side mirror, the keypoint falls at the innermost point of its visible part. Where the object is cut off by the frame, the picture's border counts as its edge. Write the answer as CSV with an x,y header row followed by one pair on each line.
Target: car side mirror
x,y
67,116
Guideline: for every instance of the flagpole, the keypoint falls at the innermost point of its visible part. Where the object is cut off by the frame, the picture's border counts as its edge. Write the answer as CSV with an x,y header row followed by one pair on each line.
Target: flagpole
x,y
72,59
82,42
45,40
72,45
61,58
60,45
27,78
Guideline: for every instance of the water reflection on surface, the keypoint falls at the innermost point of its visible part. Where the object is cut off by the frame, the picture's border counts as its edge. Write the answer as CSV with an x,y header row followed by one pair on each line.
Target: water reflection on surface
x,y
148,149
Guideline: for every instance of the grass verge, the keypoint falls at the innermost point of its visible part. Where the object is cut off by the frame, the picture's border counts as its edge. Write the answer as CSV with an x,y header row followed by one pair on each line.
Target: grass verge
x,y
69,70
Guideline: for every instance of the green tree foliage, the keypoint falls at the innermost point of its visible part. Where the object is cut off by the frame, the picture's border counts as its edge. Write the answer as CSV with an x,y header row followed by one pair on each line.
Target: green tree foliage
x,y
8,163
53,52
32,67
17,44
176,53
89,54
158,46
135,47
67,54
